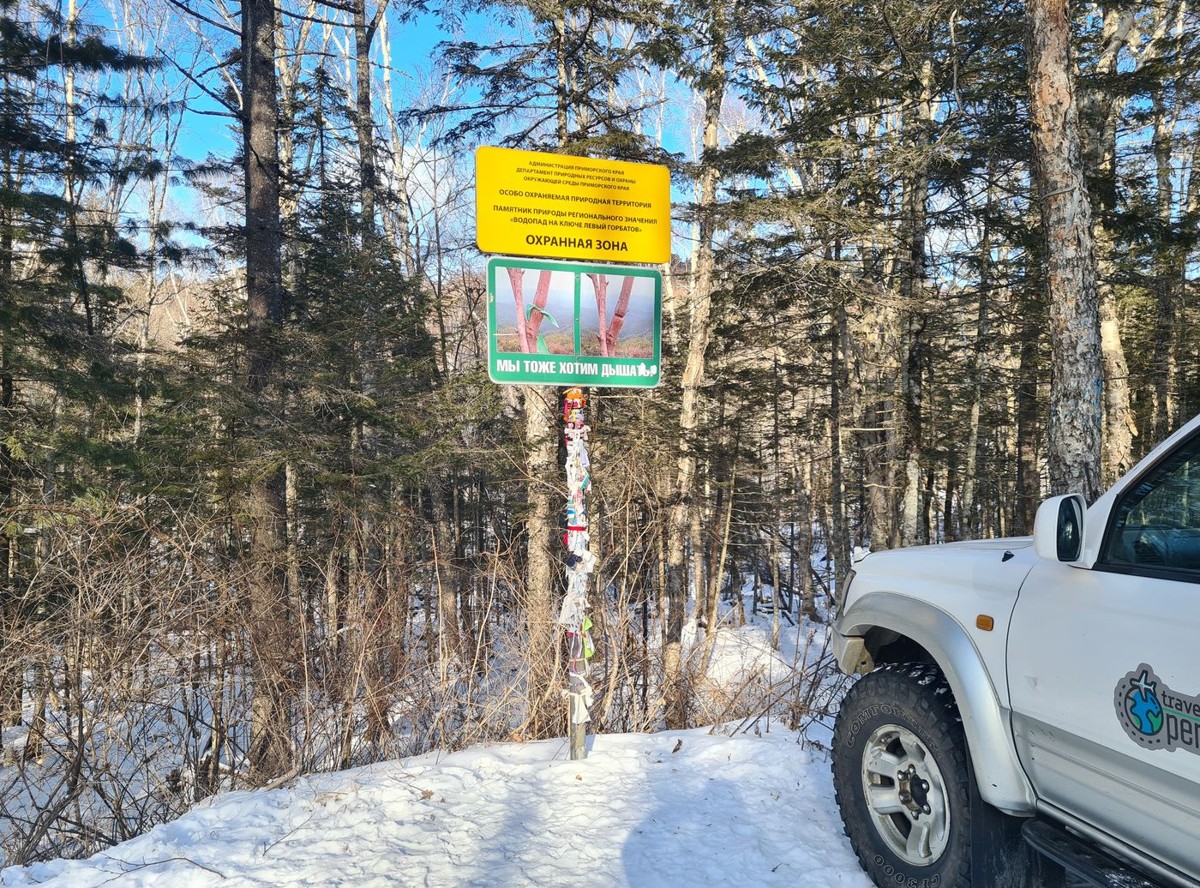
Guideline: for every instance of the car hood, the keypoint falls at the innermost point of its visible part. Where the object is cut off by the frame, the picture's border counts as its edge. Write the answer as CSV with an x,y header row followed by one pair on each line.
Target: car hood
x,y
984,567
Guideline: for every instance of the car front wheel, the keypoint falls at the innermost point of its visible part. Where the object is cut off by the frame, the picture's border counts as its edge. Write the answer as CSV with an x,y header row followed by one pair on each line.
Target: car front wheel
x,y
900,774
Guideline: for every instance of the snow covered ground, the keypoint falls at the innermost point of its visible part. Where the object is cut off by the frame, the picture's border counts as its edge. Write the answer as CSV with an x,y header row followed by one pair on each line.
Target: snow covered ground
x,y
750,804
675,808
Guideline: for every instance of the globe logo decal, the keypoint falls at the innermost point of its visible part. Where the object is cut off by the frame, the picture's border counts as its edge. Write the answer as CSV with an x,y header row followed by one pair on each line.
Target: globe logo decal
x,y
1138,700
1154,715
1143,707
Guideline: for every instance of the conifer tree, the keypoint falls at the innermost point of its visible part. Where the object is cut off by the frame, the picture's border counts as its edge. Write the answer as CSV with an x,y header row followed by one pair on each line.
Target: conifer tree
x,y
58,355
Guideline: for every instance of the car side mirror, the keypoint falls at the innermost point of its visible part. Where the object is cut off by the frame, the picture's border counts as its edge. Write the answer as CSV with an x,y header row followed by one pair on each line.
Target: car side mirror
x,y
1058,528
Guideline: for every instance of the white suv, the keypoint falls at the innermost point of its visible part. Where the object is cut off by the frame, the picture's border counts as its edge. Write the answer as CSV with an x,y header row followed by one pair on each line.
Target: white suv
x,y
1054,678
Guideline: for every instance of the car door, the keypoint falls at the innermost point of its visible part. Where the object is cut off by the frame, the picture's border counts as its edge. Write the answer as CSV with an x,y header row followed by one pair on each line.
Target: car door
x,y
1104,670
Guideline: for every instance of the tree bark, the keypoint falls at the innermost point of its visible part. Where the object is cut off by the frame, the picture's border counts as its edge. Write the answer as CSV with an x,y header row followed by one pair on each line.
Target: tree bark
x,y
364,119
448,574
10,670
516,280
600,289
1167,273
270,748
1101,110
1119,426
618,318
838,384
968,525
545,716
1076,386
1028,490
675,690
910,429
541,296
11,682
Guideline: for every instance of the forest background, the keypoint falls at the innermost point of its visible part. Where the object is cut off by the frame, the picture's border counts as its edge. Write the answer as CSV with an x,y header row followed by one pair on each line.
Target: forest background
x,y
261,510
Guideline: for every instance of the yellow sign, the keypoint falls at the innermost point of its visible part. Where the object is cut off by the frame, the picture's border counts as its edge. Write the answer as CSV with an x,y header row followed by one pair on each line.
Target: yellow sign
x,y
529,203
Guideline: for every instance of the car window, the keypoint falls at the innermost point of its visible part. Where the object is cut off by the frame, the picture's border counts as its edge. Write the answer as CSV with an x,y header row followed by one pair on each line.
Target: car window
x,y
1156,522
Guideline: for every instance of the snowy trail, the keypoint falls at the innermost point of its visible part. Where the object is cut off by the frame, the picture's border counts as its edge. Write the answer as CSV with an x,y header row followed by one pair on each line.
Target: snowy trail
x,y
721,810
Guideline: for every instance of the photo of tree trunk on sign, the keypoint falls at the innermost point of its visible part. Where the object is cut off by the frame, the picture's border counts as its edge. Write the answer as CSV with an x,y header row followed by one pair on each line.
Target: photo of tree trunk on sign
x,y
519,326
633,314
621,327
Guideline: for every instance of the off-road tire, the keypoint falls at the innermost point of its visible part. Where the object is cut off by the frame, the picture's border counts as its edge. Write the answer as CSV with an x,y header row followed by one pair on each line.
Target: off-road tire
x,y
901,718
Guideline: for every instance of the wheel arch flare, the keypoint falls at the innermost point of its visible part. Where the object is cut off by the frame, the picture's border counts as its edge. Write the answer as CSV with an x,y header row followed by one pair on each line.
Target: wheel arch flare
x,y
895,627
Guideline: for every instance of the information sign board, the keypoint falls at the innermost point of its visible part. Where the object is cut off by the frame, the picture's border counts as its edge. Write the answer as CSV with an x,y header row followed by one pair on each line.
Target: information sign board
x,y
572,324
532,203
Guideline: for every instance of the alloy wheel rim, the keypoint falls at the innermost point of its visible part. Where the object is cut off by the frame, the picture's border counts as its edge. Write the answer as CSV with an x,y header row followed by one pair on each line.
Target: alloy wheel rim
x,y
906,795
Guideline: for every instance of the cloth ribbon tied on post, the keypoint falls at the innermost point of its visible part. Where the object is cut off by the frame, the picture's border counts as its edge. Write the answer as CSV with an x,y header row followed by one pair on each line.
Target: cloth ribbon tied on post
x,y
579,560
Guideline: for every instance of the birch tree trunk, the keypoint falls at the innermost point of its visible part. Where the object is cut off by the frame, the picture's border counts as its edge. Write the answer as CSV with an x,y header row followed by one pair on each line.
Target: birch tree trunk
x,y
1100,156
396,223
1076,388
675,690
1103,107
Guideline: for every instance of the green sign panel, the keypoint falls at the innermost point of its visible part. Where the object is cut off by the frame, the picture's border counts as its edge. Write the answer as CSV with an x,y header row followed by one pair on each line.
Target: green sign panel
x,y
573,324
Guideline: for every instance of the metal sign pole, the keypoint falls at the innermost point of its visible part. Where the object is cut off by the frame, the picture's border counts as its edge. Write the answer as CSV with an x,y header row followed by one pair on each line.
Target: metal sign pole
x,y
580,561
